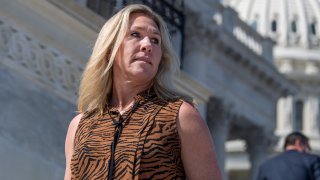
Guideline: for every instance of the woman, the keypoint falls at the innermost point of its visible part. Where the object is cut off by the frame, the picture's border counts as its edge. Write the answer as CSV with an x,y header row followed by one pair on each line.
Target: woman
x,y
133,125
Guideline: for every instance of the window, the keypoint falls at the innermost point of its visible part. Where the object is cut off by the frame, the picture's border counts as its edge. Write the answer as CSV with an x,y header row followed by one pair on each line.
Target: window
x,y
298,120
294,26
274,26
313,28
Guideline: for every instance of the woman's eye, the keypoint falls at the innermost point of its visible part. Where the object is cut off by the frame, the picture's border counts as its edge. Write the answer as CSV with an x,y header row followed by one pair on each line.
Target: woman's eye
x,y
135,34
155,41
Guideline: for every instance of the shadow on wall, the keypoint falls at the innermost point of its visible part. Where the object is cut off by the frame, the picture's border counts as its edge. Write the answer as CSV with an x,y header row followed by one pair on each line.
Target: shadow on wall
x,y
33,125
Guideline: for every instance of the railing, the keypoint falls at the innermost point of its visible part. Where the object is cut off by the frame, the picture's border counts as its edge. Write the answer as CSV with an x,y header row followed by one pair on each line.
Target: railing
x,y
170,10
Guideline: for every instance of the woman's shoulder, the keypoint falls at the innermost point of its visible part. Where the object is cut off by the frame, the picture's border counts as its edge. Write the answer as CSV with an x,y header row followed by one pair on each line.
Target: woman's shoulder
x,y
188,109
190,118
197,149
75,121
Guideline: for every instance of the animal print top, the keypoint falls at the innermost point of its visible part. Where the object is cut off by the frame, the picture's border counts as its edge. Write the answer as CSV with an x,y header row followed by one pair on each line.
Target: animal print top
x,y
148,148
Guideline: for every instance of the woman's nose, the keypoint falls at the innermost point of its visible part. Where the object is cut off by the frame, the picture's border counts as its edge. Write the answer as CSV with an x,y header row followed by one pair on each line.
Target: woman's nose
x,y
146,45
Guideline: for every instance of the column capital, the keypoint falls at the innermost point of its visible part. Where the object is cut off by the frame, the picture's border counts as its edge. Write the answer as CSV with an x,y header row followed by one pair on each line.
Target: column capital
x,y
217,109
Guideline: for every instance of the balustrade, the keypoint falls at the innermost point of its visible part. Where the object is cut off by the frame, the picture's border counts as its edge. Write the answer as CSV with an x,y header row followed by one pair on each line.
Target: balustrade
x,y
232,24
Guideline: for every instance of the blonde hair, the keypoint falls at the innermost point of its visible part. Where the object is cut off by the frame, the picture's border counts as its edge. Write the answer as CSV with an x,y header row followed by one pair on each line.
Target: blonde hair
x,y
96,82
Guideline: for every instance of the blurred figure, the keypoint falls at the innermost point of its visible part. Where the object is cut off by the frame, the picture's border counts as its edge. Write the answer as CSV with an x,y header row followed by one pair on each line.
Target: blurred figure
x,y
295,163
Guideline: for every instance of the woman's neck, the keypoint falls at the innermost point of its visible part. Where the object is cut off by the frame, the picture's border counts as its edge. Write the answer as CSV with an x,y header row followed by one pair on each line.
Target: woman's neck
x,y
123,95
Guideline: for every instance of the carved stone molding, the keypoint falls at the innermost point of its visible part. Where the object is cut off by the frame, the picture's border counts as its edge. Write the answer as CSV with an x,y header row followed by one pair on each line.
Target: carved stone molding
x,y
259,70
39,62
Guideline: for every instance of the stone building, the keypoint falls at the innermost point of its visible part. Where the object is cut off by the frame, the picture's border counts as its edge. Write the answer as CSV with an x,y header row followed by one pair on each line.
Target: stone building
x,y
295,27
44,44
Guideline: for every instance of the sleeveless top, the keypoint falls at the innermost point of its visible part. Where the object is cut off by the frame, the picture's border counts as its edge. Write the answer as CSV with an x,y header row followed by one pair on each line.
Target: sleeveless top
x,y
148,146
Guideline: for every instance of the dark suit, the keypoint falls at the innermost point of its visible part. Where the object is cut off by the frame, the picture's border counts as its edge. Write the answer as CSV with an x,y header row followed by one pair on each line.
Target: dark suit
x,y
291,165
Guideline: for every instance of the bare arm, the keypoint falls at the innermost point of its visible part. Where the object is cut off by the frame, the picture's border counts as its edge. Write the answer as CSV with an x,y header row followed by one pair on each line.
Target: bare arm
x,y
69,144
197,149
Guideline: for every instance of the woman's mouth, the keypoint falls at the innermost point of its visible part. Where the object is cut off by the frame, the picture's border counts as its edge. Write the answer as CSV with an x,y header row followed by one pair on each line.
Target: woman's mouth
x,y
143,58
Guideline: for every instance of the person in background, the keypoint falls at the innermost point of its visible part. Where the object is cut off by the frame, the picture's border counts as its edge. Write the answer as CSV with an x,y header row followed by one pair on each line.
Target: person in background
x,y
132,123
295,163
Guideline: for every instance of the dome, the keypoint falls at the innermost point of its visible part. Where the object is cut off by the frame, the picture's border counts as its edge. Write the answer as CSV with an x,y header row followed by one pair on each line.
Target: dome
x,y
293,24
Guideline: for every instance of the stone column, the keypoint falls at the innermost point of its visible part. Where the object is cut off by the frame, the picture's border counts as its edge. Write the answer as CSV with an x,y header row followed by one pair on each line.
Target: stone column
x,y
284,116
259,148
311,117
218,123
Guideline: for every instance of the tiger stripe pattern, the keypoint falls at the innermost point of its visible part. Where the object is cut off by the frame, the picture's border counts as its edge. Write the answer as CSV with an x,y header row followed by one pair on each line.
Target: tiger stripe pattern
x,y
148,148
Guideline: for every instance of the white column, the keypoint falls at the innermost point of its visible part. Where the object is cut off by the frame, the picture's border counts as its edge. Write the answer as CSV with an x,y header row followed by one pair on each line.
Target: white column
x,y
302,23
311,117
284,116
316,9
283,29
264,25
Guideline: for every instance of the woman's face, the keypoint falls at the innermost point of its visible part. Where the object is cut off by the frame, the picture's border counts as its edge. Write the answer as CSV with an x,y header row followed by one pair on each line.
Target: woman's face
x,y
139,55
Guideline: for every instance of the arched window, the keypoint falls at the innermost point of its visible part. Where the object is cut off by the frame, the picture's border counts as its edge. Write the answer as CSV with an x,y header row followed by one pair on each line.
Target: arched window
x,y
298,119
